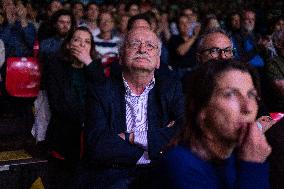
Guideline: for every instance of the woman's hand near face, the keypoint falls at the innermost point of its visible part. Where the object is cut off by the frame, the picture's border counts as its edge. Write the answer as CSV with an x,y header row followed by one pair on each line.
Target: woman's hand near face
x,y
253,146
81,54
266,122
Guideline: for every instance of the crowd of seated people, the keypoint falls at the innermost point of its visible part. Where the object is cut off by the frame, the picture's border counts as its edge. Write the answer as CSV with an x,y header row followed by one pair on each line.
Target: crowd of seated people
x,y
180,96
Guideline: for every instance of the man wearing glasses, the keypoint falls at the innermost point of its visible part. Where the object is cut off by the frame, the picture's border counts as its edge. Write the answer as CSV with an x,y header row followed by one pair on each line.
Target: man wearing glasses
x,y
130,118
215,44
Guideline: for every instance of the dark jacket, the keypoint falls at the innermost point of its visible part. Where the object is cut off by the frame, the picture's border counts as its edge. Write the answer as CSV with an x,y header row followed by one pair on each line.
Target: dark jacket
x,y
67,107
105,119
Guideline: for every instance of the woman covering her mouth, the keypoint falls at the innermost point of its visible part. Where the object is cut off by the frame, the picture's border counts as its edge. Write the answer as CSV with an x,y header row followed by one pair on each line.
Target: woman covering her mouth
x,y
220,145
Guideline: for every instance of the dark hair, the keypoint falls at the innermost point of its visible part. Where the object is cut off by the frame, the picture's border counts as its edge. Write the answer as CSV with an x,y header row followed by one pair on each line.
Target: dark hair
x,y
65,52
77,2
49,4
128,5
62,12
105,12
132,20
199,89
90,4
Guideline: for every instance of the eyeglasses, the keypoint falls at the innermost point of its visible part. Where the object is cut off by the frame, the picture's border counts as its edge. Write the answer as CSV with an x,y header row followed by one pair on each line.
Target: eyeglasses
x,y
150,46
215,52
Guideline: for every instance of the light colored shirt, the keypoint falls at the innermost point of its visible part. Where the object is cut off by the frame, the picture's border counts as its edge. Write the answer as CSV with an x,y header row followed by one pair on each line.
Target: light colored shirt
x,y
106,46
136,118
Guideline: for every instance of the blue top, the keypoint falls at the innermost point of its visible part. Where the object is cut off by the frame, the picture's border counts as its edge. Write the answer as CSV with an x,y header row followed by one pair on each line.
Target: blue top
x,y
185,170
18,40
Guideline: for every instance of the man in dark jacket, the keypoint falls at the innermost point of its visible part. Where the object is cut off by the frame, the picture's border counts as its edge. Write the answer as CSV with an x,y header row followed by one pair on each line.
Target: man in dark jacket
x,y
130,118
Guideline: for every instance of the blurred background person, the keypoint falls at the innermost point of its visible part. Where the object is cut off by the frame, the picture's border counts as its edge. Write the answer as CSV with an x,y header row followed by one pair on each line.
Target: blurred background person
x,y
132,9
106,42
274,71
78,12
181,48
233,23
17,33
45,29
92,12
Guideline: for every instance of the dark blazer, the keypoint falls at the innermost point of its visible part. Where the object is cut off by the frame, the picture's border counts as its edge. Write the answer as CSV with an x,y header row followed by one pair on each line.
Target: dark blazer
x,y
105,119
67,112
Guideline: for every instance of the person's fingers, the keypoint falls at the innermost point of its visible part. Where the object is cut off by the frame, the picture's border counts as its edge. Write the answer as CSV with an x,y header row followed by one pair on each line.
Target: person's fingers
x,y
243,135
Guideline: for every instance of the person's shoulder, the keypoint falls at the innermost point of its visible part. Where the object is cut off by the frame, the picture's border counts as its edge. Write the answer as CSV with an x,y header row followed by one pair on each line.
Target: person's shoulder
x,y
167,80
106,84
48,41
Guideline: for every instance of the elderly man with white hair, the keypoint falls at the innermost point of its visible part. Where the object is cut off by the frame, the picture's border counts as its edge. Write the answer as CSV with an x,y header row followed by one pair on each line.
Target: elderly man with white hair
x,y
130,118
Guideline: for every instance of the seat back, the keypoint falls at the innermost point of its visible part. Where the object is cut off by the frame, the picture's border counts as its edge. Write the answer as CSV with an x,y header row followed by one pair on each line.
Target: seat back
x,y
107,60
23,77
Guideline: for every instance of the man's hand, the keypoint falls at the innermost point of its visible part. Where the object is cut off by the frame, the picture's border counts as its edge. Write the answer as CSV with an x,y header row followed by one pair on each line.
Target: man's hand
x,y
131,137
253,146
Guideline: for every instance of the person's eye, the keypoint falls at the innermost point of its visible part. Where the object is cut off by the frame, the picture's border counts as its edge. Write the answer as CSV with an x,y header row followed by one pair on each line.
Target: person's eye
x,y
214,51
253,95
134,44
75,40
228,51
150,46
230,93
88,41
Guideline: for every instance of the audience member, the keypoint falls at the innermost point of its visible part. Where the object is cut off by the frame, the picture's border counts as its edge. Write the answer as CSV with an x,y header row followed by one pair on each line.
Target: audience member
x,y
106,42
17,33
216,45
220,145
46,29
66,89
132,9
144,21
78,12
63,22
126,129
92,12
122,26
181,48
164,28
245,41
233,23
275,73
211,23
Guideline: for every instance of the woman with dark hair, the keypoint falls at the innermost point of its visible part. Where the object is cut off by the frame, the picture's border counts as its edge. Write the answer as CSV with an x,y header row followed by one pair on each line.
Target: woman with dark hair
x,y
220,146
66,89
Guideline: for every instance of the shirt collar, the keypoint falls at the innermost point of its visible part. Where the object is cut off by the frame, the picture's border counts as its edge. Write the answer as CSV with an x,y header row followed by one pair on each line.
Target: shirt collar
x,y
147,88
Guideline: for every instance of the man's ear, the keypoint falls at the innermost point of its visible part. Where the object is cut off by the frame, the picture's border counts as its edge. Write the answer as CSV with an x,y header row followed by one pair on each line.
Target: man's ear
x,y
158,63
